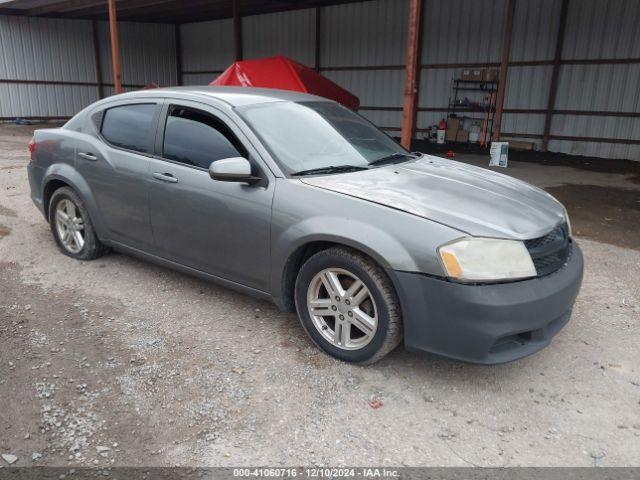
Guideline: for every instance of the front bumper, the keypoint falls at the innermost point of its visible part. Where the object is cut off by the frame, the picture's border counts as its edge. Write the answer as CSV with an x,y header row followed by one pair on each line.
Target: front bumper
x,y
487,324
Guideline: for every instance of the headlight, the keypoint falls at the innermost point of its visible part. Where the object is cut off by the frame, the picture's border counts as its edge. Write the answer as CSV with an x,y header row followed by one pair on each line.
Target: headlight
x,y
475,259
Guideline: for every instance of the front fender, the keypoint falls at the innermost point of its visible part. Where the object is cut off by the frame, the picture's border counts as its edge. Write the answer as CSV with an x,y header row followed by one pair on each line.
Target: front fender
x,y
69,175
386,250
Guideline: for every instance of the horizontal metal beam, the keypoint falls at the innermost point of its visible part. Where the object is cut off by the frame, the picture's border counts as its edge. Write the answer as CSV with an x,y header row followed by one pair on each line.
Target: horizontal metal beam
x,y
10,119
64,82
515,111
201,72
570,138
621,141
518,63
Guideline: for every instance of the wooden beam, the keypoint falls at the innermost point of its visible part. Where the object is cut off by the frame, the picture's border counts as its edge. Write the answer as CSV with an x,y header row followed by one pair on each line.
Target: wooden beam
x,y
318,38
555,75
237,31
115,52
411,75
178,35
504,64
96,52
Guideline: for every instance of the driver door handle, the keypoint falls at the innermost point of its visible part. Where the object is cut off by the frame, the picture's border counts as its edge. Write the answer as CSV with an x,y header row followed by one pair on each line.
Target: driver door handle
x,y
87,156
165,177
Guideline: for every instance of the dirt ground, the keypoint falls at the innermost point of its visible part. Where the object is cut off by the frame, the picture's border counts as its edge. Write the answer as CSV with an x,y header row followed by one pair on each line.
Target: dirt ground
x,y
120,362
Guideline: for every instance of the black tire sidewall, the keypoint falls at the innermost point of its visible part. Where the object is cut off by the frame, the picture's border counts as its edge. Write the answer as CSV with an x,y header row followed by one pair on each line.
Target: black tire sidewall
x,y
308,271
90,247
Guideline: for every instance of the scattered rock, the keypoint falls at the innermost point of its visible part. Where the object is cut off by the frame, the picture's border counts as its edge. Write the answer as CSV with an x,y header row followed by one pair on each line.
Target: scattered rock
x,y
9,458
36,456
375,403
101,449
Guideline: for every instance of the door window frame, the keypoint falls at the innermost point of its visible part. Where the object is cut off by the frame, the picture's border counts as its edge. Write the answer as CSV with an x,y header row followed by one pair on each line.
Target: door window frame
x,y
97,119
253,157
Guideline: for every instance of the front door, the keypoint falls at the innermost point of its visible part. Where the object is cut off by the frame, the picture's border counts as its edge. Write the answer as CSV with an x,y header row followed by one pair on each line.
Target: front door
x,y
221,228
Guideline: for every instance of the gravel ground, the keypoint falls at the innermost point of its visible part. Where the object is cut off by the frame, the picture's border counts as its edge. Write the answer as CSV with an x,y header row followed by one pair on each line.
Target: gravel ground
x,y
120,362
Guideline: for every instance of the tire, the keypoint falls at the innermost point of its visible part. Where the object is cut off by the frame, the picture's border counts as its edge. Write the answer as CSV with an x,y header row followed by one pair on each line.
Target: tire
x,y
360,345
91,247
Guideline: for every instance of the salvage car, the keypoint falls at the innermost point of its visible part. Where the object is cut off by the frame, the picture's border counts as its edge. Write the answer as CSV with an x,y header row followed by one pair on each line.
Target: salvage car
x,y
296,199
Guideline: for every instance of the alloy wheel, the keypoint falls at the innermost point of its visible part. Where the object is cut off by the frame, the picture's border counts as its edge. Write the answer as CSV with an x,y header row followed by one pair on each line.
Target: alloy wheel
x,y
69,225
342,308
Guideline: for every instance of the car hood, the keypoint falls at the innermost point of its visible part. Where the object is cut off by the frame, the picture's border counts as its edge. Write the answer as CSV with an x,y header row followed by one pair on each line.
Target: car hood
x,y
471,199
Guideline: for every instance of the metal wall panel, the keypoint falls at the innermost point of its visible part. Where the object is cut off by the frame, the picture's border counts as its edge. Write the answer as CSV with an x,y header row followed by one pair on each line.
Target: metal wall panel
x,y
198,78
535,29
207,45
289,33
528,88
602,29
59,50
368,33
21,100
46,49
457,31
379,88
147,53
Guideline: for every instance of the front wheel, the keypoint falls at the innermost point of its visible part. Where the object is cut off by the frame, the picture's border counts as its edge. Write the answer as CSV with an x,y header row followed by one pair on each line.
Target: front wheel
x,y
348,306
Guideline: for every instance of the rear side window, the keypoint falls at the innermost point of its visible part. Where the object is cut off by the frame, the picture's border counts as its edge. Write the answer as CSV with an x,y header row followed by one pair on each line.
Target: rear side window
x,y
196,138
130,126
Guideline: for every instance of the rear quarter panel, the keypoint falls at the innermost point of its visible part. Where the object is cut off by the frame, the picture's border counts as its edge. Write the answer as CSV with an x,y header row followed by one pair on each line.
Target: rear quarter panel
x,y
55,159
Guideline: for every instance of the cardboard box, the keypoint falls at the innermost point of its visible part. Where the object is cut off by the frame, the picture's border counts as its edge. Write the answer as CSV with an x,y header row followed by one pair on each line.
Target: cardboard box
x,y
462,136
517,145
491,75
477,74
454,124
465,74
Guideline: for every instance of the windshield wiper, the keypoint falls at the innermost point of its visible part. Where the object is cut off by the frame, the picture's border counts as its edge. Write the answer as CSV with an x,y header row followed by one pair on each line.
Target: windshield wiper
x,y
330,169
393,158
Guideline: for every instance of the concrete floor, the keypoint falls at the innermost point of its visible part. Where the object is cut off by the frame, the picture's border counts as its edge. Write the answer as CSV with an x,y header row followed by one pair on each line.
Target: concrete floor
x,y
164,369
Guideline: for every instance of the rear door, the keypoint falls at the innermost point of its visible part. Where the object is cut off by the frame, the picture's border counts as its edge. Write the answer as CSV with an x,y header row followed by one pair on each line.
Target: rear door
x,y
116,167
221,228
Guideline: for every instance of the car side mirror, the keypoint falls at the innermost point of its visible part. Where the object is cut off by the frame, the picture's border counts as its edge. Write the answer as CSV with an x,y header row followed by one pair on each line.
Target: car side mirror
x,y
235,169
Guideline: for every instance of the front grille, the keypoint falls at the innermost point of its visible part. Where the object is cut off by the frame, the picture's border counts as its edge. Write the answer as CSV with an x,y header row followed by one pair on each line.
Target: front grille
x,y
551,251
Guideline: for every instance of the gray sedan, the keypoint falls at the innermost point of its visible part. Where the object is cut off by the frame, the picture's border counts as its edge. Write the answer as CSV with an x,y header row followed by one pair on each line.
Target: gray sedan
x,y
295,199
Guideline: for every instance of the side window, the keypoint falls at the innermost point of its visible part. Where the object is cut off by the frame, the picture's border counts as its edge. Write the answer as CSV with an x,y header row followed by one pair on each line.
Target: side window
x,y
130,126
196,138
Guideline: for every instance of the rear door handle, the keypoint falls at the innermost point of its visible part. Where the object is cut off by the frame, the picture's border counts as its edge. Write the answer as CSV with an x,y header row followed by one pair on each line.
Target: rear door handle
x,y
165,177
87,156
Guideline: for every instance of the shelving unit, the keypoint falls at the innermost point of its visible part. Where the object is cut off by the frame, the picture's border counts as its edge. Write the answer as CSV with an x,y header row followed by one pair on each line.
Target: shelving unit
x,y
456,99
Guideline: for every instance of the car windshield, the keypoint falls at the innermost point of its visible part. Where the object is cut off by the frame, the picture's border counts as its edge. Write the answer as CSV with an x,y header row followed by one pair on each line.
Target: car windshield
x,y
306,137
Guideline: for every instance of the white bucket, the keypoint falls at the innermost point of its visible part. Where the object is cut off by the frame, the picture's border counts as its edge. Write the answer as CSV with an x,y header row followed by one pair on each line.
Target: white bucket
x,y
441,136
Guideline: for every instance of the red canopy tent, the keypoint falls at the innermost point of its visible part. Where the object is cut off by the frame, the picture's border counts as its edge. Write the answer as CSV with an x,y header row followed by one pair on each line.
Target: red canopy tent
x,y
285,74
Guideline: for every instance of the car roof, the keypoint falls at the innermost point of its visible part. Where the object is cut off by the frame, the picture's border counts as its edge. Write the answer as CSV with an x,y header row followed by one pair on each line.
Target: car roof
x,y
234,96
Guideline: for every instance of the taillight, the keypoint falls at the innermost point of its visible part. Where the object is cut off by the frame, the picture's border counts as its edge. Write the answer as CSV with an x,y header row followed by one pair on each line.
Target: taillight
x,y
32,148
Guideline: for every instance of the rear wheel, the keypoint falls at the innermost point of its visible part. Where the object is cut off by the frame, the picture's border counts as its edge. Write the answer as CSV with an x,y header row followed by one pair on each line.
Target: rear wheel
x,y
71,226
348,306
